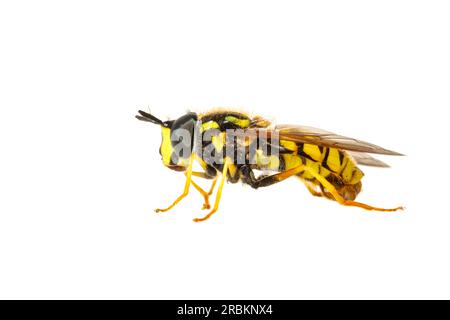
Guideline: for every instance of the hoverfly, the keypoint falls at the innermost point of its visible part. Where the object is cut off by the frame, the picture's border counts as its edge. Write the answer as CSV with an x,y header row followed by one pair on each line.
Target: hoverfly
x,y
325,162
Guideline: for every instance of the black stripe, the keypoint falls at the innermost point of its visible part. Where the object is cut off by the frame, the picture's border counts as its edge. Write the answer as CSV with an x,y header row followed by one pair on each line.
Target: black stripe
x,y
302,153
325,158
341,157
342,169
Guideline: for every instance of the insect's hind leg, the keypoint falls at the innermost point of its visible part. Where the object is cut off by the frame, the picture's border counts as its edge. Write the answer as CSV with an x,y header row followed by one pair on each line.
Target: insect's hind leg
x,y
332,190
313,188
249,178
269,180
264,181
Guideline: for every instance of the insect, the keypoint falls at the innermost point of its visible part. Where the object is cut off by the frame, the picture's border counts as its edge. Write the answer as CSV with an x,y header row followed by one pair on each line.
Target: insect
x,y
325,162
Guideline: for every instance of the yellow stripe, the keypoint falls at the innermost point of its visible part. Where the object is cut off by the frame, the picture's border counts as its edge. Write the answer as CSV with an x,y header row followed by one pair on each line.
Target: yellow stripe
x,y
292,146
357,176
232,169
347,173
166,146
218,141
333,161
306,174
313,151
291,161
324,172
209,125
243,123
343,164
350,173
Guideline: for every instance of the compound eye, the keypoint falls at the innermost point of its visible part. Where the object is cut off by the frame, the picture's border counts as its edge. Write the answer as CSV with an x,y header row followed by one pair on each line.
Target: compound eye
x,y
183,126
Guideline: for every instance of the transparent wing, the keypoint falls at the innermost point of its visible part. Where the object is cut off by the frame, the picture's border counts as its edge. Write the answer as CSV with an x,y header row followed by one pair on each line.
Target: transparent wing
x,y
367,160
319,137
328,139
259,122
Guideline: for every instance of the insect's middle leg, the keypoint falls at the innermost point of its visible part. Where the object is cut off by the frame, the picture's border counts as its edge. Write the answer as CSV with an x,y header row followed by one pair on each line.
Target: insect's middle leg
x,y
205,194
219,192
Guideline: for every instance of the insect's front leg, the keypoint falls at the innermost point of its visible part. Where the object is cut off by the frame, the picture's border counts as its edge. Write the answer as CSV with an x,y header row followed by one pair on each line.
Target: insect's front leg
x,y
186,187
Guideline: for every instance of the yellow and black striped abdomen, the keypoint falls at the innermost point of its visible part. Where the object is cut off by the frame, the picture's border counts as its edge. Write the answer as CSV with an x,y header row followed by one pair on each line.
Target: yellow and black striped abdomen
x,y
336,161
333,164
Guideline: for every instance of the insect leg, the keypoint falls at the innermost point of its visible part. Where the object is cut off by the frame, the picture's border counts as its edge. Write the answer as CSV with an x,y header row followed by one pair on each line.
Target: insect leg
x,y
209,173
264,181
186,187
213,185
219,192
202,175
312,188
206,176
325,183
269,180
205,194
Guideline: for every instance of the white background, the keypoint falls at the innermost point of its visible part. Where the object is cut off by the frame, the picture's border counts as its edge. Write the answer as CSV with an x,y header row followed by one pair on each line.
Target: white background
x,y
80,177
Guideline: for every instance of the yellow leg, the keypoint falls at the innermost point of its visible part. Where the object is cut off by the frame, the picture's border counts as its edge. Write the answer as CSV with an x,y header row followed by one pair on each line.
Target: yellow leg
x,y
219,193
186,188
203,174
210,192
296,170
312,188
340,199
205,194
